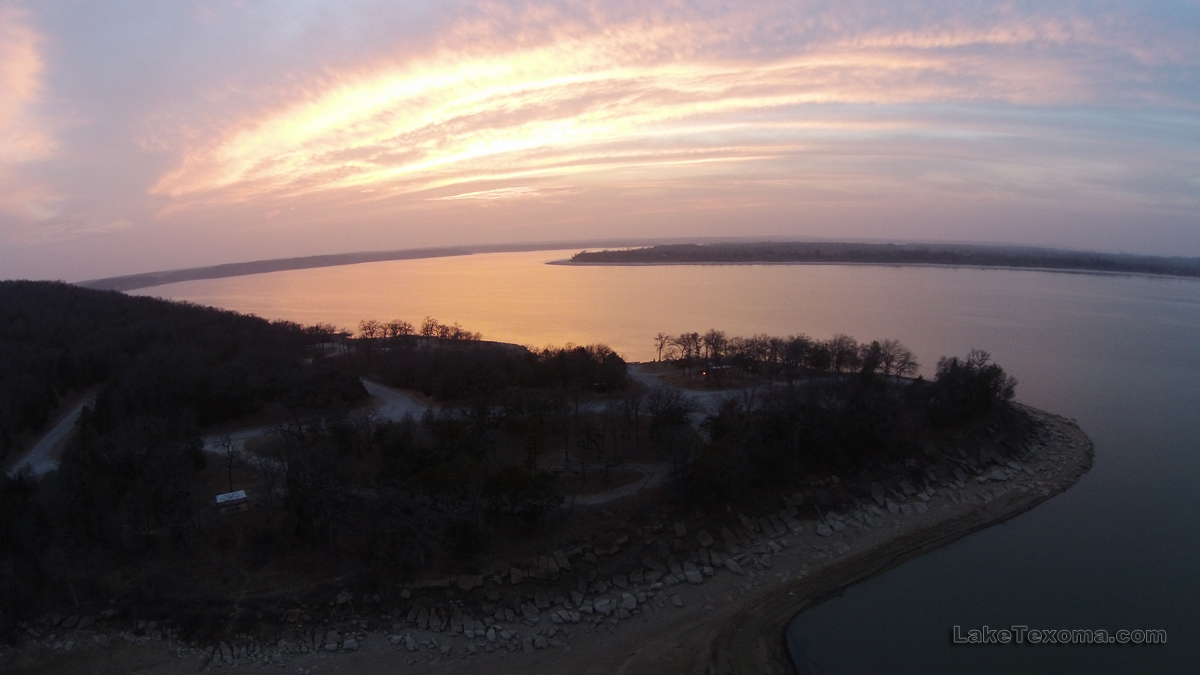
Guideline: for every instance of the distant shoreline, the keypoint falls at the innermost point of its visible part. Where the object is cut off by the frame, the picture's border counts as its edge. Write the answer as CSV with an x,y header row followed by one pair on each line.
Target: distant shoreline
x,y
750,249
832,263
132,282
897,255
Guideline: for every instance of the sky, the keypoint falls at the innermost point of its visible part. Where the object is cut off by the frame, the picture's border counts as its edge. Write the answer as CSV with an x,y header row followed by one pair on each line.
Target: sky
x,y
138,136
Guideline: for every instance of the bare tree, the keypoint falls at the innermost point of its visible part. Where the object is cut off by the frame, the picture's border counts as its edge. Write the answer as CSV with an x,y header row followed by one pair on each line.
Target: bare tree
x,y
906,364
661,341
230,451
688,345
795,355
870,357
591,432
429,327
362,424
267,460
897,360
396,329
369,330
843,351
714,342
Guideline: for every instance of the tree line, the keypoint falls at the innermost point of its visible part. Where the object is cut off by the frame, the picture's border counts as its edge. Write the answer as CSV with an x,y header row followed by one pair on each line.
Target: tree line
x,y
390,333
461,367
832,252
784,357
773,437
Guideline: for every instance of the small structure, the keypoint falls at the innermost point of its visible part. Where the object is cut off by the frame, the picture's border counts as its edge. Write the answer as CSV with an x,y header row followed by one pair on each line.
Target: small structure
x,y
717,374
232,502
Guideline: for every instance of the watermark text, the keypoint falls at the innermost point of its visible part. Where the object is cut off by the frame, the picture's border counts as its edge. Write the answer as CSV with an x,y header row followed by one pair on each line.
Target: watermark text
x,y
1020,635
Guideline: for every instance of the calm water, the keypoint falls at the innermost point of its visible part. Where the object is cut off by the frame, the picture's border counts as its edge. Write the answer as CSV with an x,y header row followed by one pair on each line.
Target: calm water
x,y
1119,354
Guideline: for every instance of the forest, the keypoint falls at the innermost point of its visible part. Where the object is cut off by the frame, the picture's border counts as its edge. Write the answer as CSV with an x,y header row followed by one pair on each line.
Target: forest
x,y
483,474
832,252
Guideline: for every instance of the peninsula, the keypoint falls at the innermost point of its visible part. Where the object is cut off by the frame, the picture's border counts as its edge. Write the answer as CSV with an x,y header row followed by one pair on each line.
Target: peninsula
x,y
832,252
409,497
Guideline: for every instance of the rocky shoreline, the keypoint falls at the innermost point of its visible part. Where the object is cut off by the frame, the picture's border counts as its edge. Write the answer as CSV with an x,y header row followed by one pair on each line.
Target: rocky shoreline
x,y
753,640
698,602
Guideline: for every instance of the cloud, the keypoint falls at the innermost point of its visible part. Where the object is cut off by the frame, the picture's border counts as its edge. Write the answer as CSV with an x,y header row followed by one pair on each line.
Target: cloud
x,y
500,194
566,96
235,126
24,136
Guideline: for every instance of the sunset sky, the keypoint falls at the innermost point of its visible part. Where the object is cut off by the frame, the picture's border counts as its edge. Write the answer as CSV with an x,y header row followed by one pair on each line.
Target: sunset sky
x,y
138,136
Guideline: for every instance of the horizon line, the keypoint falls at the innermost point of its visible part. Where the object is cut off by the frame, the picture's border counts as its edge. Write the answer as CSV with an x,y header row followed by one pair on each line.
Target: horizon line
x,y
137,281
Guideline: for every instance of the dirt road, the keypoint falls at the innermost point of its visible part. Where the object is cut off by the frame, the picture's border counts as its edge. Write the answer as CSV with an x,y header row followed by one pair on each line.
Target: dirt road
x,y
39,461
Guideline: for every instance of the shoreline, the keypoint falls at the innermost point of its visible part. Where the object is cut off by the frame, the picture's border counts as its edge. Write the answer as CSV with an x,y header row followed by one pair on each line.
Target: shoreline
x,y
746,644
567,262
732,621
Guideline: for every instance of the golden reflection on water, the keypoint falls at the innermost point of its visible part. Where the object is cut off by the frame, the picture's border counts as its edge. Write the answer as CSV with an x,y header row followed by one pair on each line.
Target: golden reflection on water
x,y
515,297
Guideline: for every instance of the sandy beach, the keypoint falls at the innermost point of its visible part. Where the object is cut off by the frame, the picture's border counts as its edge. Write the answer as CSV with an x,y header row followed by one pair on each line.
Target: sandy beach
x,y
725,617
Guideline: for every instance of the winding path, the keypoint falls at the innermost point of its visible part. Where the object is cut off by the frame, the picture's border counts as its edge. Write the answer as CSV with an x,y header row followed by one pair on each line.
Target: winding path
x,y
393,405
38,461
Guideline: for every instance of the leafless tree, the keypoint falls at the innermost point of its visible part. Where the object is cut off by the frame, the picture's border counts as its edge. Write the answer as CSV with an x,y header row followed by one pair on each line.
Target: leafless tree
x,y
843,351
230,452
688,346
267,460
870,357
429,327
396,329
714,342
661,341
795,355
906,364
897,360
369,330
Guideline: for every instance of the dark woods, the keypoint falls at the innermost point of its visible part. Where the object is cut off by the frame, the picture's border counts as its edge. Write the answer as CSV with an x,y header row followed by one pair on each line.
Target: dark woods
x,y
155,358
507,435
129,484
721,359
131,509
813,408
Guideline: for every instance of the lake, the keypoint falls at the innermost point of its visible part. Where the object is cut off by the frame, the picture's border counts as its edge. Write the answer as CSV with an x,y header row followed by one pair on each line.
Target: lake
x,y
1120,354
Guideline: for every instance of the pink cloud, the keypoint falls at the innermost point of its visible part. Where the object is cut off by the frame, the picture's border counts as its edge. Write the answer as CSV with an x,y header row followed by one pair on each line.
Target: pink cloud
x,y
24,136
568,97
